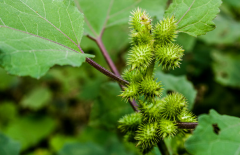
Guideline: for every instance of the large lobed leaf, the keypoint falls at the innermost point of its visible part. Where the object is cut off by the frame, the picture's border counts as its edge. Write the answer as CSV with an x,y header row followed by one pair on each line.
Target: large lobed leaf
x,y
205,142
35,35
194,16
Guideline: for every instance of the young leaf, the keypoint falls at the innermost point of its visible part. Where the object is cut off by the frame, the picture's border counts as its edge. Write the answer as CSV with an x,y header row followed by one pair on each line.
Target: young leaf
x,y
205,141
35,35
194,16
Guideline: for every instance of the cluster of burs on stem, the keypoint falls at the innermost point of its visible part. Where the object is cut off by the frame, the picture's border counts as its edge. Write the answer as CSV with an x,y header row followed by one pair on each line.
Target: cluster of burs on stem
x,y
158,116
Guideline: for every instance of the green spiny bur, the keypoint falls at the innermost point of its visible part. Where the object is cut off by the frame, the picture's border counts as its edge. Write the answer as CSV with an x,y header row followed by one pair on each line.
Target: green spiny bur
x,y
150,88
151,112
186,116
165,31
140,20
140,56
167,128
169,55
173,106
140,23
140,38
130,122
147,135
133,75
130,92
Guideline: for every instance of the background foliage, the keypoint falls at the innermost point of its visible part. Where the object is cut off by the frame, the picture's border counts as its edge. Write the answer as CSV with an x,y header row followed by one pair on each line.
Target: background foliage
x,y
73,111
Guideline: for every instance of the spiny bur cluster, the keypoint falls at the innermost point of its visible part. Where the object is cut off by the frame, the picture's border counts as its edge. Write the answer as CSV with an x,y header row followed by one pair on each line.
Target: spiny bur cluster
x,y
155,121
158,116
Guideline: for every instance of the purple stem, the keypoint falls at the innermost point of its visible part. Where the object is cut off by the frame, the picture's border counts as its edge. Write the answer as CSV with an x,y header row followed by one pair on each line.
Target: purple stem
x,y
105,54
107,72
186,125
116,76
182,125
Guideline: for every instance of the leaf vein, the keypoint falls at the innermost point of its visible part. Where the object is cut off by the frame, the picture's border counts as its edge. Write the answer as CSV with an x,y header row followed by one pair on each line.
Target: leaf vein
x,y
49,23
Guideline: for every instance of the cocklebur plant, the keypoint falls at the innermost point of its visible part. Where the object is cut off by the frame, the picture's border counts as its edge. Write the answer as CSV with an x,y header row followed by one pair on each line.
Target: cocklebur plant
x,y
158,116
54,33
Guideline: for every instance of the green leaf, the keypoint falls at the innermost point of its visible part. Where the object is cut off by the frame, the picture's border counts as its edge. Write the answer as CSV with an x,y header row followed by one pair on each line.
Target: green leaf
x,y
57,141
226,32
102,14
179,84
35,35
95,135
194,16
37,98
82,149
206,141
8,146
107,140
109,107
226,68
29,130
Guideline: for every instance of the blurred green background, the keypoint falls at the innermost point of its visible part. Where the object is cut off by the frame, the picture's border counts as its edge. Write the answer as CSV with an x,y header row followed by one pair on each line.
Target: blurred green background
x,y
74,111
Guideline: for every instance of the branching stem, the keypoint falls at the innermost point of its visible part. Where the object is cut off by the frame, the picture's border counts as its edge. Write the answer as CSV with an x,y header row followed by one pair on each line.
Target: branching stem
x,y
113,68
182,125
116,76
105,54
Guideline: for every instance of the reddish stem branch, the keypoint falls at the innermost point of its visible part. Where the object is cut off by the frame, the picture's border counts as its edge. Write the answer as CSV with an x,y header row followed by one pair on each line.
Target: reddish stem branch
x,y
116,76
161,144
105,54
107,72
181,125
186,125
